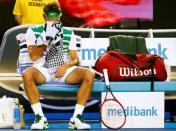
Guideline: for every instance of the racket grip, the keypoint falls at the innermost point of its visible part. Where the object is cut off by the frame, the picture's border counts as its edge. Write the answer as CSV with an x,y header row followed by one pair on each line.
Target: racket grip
x,y
96,72
105,71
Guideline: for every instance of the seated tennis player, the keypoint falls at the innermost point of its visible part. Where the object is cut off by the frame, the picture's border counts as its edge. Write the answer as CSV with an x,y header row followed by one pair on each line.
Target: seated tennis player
x,y
53,52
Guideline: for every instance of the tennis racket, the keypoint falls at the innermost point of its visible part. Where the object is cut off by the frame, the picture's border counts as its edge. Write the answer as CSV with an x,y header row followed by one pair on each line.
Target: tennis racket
x,y
112,111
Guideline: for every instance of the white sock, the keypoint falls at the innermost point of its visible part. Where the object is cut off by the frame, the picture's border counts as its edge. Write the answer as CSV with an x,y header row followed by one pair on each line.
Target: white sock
x,y
37,109
78,110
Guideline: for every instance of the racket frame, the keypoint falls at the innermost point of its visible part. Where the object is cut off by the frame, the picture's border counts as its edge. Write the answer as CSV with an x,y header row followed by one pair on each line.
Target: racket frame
x,y
108,90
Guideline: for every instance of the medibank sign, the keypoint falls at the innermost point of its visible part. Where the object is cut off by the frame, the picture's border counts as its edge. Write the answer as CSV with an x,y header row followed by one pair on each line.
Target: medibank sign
x,y
165,47
92,48
142,109
133,111
92,54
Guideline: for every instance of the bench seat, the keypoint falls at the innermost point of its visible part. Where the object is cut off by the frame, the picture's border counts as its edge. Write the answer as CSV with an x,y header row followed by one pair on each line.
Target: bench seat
x,y
115,87
166,86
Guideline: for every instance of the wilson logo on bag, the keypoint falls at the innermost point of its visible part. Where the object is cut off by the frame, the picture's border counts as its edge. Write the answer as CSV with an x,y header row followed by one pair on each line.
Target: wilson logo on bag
x,y
129,67
130,72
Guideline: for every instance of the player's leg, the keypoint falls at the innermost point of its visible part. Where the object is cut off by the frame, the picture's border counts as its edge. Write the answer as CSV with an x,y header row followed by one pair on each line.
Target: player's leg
x,y
31,77
85,77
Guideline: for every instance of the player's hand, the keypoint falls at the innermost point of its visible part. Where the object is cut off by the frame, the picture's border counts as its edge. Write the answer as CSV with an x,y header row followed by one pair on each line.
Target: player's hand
x,y
61,70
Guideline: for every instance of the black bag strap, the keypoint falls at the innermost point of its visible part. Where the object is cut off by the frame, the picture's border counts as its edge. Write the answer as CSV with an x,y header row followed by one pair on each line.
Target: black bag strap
x,y
152,80
131,59
119,55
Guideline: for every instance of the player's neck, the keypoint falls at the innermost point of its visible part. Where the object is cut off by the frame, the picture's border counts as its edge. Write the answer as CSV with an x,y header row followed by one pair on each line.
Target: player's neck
x,y
53,19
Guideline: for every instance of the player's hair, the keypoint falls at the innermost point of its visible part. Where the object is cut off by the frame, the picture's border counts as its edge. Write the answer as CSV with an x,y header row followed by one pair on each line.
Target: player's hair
x,y
51,7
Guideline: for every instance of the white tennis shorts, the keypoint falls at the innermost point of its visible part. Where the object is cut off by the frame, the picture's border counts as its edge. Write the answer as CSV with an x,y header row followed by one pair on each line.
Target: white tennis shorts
x,y
51,77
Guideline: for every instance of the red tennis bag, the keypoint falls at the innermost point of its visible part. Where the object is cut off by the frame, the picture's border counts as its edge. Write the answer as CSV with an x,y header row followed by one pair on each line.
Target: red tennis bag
x,y
132,67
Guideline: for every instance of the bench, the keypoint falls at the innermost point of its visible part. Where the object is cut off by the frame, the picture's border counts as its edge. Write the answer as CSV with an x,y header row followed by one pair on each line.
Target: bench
x,y
99,87
9,54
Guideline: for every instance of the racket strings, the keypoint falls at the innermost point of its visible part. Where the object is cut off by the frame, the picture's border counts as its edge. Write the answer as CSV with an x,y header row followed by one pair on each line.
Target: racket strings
x,y
113,114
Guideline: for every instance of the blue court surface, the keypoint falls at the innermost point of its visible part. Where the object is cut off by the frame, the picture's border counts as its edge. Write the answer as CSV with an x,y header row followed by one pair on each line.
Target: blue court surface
x,y
101,129
97,127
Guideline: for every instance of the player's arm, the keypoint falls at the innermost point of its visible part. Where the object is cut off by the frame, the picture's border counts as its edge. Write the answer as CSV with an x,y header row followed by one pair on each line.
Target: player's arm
x,y
63,68
73,51
74,58
73,55
35,52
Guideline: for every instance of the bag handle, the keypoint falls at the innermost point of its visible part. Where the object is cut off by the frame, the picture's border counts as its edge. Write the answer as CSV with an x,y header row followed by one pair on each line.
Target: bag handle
x,y
122,57
144,67
149,60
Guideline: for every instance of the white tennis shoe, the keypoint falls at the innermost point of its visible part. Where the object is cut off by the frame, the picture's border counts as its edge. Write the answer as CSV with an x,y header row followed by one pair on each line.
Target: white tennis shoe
x,y
39,123
78,123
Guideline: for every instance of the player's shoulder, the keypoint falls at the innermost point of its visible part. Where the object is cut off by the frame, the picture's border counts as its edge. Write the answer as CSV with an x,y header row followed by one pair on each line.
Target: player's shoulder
x,y
67,30
37,28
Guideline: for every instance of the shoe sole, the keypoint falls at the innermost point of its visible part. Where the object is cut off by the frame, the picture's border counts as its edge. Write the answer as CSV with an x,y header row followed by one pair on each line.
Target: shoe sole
x,y
72,127
45,127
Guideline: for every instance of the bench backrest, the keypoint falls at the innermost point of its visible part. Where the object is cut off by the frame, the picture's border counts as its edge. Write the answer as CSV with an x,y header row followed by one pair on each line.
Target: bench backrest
x,y
90,50
9,49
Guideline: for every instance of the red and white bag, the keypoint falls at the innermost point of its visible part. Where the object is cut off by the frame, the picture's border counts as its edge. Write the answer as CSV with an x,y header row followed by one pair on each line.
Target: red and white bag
x,y
132,67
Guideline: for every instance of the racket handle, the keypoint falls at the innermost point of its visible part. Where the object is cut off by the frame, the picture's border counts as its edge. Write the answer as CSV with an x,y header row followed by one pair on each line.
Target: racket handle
x,y
105,71
96,72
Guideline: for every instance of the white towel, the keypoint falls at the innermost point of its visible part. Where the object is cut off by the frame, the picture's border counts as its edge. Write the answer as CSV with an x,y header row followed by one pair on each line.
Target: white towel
x,y
54,32
24,60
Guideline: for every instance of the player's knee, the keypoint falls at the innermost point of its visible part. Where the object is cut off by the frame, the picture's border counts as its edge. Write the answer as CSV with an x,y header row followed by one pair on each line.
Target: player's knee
x,y
89,76
27,75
